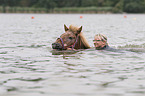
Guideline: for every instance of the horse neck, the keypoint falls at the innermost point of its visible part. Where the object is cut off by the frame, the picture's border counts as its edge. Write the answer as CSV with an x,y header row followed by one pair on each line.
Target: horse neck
x,y
82,42
79,44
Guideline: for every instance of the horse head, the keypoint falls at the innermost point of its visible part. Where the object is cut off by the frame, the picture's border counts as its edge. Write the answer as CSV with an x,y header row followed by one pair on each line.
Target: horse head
x,y
67,39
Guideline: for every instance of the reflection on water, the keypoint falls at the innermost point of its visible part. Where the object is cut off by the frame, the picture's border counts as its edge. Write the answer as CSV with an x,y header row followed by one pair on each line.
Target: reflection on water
x,y
29,66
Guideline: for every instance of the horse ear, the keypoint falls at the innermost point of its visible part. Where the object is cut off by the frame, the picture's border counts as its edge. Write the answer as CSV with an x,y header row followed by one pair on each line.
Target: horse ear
x,y
65,28
79,30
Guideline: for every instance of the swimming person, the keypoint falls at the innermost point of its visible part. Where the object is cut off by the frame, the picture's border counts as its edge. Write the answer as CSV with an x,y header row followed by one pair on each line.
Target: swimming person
x,y
100,42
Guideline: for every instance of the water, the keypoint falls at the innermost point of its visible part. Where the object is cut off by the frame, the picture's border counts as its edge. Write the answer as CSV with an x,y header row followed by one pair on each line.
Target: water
x,y
28,66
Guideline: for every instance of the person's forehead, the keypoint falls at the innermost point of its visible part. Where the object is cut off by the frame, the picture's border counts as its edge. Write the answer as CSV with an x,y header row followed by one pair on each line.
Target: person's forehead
x,y
97,37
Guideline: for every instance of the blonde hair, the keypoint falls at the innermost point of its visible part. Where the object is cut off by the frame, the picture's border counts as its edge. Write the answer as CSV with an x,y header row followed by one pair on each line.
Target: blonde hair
x,y
73,28
84,40
101,37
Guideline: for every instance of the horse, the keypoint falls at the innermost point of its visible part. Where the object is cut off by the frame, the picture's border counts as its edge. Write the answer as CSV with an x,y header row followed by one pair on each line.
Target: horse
x,y
73,39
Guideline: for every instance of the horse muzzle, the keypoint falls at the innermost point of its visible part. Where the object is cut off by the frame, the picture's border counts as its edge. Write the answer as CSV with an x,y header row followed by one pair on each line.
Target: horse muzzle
x,y
57,46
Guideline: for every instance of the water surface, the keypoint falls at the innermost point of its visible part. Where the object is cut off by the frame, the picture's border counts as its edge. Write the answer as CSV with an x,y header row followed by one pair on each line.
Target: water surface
x,y
28,66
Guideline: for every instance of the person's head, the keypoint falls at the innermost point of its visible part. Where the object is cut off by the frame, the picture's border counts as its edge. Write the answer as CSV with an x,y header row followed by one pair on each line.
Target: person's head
x,y
100,41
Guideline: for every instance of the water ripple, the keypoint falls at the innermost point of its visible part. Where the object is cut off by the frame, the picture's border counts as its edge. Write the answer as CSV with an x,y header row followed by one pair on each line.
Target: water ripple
x,y
29,66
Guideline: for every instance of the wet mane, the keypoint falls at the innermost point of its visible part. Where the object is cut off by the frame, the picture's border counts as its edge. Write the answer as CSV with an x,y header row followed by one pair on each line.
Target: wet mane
x,y
84,40
73,28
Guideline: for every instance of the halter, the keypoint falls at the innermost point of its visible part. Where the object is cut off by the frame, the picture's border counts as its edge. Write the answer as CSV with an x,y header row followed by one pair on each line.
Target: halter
x,y
73,45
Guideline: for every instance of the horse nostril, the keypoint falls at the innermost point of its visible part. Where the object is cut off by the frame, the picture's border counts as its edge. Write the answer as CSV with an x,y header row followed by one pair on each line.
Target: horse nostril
x,y
56,46
53,45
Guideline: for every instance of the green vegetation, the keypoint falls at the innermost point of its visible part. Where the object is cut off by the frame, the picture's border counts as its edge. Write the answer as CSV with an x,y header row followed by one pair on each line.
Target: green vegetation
x,y
72,6
83,10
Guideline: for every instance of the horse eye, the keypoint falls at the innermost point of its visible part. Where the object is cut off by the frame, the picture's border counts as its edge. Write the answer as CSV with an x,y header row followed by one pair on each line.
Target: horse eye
x,y
70,38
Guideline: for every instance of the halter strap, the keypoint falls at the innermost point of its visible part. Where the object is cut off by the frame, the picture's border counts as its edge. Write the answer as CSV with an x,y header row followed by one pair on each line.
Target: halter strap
x,y
73,45
75,42
62,43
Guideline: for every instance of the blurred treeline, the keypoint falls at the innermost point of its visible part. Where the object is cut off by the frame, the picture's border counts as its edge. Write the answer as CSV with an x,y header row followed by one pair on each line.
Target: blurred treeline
x,y
72,6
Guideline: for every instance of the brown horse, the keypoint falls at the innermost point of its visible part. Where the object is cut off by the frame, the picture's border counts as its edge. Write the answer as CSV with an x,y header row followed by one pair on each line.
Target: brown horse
x,y
72,38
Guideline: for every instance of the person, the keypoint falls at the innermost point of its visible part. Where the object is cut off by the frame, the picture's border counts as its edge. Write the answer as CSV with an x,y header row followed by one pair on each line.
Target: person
x,y
100,42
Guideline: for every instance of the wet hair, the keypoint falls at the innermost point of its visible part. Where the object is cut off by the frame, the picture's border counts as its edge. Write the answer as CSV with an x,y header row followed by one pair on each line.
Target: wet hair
x,y
73,28
101,37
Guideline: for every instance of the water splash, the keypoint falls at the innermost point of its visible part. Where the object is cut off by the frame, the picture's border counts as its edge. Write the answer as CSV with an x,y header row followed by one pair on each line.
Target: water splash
x,y
133,46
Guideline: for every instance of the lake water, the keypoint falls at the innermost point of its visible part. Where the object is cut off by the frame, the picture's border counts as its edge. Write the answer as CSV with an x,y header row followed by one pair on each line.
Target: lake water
x,y
28,66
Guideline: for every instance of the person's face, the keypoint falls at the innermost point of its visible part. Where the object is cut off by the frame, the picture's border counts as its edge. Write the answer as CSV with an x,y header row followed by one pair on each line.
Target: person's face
x,y
98,43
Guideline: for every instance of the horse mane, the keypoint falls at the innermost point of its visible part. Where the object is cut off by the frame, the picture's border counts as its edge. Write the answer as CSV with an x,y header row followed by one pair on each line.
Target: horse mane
x,y
73,28
83,41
